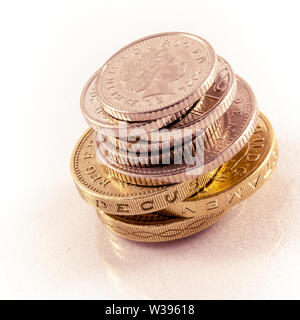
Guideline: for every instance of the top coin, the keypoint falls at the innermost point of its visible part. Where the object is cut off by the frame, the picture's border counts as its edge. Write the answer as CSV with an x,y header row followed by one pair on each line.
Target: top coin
x,y
156,76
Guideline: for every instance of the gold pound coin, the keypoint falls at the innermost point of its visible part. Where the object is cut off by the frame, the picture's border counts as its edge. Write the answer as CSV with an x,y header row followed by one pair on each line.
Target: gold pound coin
x,y
237,179
155,227
107,193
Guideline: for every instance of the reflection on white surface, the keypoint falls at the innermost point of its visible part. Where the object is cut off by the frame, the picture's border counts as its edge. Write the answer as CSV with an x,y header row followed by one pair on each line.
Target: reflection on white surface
x,y
213,263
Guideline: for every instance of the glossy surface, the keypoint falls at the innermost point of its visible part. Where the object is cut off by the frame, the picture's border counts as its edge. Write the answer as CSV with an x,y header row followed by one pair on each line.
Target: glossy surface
x,y
235,181
203,115
103,191
100,120
238,178
155,227
237,126
156,76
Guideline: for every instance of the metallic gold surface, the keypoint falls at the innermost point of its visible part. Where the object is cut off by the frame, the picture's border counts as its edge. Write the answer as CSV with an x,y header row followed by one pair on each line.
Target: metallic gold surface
x,y
156,227
105,192
237,179
238,124
156,76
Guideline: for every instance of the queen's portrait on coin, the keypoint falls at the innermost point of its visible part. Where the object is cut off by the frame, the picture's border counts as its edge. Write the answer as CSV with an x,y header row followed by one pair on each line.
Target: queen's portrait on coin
x,y
153,73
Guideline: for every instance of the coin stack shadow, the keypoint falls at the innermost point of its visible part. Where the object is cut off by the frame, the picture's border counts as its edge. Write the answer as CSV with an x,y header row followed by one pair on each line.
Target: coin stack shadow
x,y
176,139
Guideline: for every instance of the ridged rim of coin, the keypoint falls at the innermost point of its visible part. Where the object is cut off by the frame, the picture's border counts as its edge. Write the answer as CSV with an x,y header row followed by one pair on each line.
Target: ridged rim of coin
x,y
239,124
204,114
136,144
103,191
99,120
237,179
157,228
157,156
148,65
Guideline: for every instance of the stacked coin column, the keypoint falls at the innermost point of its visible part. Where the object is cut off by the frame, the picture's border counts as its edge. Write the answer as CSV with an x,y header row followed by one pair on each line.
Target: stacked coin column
x,y
176,139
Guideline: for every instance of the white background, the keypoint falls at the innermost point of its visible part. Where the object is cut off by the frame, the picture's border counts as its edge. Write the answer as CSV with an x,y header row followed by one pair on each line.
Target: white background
x,y
51,242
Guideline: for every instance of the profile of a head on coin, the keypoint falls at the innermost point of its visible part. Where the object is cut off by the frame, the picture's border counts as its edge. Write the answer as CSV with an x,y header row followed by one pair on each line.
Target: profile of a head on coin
x,y
153,72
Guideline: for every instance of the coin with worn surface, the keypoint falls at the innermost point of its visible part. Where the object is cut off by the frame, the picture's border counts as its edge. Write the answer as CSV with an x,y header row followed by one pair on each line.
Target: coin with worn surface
x,y
154,227
156,76
237,179
99,120
105,192
237,126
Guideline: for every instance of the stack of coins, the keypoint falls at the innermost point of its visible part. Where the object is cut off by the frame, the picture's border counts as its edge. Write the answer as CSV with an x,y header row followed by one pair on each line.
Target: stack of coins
x,y
176,139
